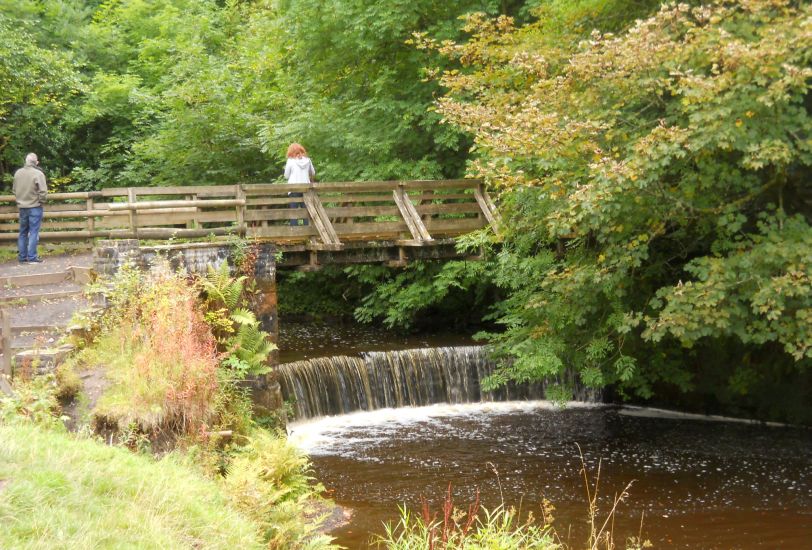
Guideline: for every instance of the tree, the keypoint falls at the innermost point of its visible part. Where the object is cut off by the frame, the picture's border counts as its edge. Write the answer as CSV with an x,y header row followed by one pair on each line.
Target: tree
x,y
655,185
354,92
36,86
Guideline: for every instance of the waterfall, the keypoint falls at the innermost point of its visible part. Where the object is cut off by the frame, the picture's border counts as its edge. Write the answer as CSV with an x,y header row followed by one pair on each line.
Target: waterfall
x,y
379,379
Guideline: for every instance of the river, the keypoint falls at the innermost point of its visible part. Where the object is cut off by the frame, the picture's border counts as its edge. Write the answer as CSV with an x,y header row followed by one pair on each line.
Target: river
x,y
696,483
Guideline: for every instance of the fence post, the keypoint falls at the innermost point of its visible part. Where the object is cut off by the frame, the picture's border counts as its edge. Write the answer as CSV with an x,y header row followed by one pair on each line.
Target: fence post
x,y
239,194
91,219
5,343
131,201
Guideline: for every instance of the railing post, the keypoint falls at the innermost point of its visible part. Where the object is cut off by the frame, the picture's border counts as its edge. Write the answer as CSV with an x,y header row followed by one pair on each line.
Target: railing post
x,y
91,219
192,223
239,194
131,202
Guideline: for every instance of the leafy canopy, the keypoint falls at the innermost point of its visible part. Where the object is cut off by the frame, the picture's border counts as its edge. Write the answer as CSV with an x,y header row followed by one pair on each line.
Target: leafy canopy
x,y
655,184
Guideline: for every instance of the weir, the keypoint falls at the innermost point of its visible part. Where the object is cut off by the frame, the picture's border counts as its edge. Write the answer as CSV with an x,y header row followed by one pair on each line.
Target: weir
x,y
375,380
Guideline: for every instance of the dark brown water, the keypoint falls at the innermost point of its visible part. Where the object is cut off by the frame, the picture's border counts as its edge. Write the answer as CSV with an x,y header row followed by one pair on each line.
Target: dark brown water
x,y
298,341
700,484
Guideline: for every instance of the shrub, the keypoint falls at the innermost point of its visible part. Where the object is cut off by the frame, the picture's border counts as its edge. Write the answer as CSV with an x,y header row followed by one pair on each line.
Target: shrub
x,y
34,401
160,355
268,480
478,528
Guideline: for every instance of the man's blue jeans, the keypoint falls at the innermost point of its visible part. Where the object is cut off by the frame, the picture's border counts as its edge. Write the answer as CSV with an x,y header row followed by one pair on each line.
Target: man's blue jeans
x,y
30,221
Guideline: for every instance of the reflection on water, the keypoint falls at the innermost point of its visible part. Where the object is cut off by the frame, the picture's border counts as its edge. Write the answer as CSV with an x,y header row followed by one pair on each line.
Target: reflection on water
x,y
701,484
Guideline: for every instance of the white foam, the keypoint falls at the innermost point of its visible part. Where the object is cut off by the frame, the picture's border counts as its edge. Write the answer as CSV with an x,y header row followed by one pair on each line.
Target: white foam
x,y
324,435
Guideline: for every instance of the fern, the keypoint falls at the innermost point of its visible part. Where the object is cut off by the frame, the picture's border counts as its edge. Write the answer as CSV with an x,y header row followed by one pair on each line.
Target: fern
x,y
220,286
251,346
243,316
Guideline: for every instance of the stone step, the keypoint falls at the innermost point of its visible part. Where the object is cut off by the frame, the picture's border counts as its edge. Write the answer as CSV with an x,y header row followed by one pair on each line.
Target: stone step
x,y
77,274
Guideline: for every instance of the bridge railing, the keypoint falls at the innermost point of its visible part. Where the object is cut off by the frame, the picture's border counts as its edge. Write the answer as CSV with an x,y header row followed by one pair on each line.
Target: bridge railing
x,y
414,212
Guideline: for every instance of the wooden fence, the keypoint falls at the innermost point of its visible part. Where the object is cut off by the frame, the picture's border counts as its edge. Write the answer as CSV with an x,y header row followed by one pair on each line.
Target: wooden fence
x,y
414,212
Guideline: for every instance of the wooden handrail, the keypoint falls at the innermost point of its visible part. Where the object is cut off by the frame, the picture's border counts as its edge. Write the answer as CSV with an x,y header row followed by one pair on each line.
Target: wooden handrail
x,y
417,211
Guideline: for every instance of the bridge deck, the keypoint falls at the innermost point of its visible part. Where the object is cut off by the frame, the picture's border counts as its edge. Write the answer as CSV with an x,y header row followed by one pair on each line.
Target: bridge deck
x,y
325,216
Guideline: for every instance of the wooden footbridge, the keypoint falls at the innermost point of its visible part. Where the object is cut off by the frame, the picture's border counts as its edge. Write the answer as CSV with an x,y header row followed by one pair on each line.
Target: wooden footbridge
x,y
313,224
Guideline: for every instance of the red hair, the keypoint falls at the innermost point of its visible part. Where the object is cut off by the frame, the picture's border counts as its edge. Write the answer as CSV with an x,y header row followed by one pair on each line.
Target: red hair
x,y
295,151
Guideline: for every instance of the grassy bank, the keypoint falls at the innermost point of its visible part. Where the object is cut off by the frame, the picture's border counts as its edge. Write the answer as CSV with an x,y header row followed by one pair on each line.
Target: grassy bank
x,y
178,459
57,491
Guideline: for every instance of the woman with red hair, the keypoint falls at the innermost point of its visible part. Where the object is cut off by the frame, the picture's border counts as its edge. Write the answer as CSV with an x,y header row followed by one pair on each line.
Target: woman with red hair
x,y
298,169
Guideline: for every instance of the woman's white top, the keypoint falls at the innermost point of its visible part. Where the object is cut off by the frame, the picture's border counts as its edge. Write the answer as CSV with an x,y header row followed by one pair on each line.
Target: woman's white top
x,y
299,170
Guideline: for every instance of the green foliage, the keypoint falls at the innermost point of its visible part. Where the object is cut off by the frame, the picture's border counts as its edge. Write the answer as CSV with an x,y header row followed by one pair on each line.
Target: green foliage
x,y
34,401
328,293
498,528
451,290
267,478
36,85
760,292
222,290
247,347
158,354
654,188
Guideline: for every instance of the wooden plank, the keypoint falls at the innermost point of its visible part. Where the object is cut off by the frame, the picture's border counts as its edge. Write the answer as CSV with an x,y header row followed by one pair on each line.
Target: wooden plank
x,y
79,195
319,217
62,224
425,196
410,216
182,232
356,187
275,215
90,221
224,190
374,229
484,204
61,235
347,198
453,208
275,189
457,226
239,194
361,211
200,203
131,198
441,184
265,201
282,231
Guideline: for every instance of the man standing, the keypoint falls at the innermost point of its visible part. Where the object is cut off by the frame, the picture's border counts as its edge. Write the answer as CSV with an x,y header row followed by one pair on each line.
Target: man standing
x,y
29,191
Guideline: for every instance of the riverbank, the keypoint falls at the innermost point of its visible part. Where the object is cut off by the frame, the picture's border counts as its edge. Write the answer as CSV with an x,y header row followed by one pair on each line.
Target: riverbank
x,y
62,491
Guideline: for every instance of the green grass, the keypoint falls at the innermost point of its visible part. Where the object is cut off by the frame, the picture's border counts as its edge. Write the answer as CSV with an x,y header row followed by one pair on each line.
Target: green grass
x,y
60,492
